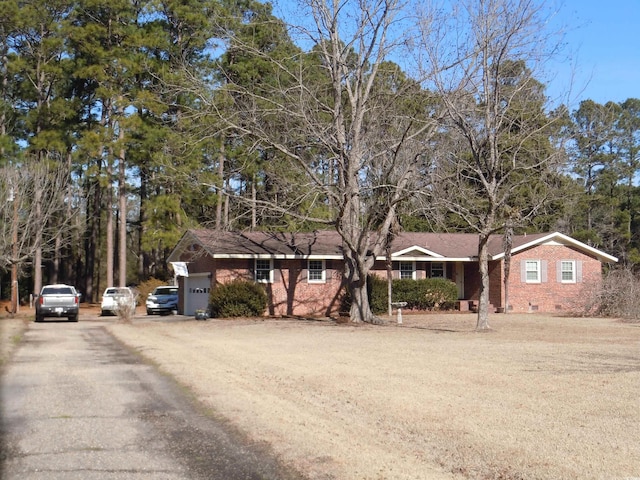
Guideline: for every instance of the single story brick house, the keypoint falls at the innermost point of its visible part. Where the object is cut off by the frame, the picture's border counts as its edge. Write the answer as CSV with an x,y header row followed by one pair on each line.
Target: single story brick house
x,y
302,272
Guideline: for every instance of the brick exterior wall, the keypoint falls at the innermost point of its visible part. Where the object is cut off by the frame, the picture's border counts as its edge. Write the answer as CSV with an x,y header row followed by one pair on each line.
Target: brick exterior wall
x,y
546,296
292,294
551,295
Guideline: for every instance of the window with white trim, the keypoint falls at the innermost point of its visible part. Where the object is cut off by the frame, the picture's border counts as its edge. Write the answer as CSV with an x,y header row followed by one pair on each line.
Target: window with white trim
x,y
437,270
568,271
408,270
532,271
317,272
264,270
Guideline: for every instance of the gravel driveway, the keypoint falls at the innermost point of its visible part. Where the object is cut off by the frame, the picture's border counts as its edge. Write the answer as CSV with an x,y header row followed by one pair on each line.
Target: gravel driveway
x,y
76,404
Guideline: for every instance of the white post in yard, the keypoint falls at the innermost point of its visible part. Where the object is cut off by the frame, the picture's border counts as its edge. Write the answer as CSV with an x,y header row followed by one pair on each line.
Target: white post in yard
x,y
399,306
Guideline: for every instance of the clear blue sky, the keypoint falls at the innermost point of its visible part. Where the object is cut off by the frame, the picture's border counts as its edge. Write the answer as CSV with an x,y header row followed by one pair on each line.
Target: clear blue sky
x,y
602,44
605,38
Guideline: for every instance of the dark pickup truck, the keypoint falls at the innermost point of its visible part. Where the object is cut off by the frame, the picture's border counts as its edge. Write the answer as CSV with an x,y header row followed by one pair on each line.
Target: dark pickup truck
x,y
58,301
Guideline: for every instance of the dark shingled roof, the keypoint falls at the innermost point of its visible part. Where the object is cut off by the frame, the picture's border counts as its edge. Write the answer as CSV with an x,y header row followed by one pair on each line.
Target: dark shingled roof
x,y
328,243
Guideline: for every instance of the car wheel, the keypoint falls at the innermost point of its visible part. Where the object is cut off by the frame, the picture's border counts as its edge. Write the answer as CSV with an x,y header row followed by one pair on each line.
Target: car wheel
x,y
74,318
149,312
39,318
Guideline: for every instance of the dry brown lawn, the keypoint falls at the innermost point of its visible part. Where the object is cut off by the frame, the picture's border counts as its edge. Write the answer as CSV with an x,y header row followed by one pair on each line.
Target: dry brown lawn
x,y
538,398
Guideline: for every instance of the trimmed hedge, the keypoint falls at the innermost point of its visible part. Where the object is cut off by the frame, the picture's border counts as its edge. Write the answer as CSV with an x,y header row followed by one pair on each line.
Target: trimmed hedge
x,y
239,298
377,290
425,294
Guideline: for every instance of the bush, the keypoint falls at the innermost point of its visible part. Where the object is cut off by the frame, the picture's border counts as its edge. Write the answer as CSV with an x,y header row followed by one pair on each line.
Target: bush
x,y
126,308
148,286
425,294
441,294
239,298
378,295
617,296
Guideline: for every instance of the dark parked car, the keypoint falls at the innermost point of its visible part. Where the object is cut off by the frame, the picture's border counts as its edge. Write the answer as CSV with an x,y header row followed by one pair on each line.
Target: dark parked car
x,y
162,300
58,301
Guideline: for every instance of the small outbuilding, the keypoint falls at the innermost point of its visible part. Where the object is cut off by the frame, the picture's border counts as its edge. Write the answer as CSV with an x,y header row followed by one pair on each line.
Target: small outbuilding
x,y
302,272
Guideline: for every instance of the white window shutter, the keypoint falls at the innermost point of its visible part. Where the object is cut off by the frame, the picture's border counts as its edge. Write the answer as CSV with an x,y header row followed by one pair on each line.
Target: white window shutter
x,y
579,271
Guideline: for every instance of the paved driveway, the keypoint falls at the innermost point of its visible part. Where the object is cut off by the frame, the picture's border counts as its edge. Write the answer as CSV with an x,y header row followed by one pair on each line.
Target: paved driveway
x,y
76,404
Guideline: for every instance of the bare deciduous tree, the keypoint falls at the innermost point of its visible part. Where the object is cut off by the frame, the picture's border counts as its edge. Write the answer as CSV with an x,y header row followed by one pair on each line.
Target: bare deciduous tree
x,y
350,126
499,172
25,229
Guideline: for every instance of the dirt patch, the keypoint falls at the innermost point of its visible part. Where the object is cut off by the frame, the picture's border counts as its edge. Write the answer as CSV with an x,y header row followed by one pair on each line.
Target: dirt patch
x,y
538,398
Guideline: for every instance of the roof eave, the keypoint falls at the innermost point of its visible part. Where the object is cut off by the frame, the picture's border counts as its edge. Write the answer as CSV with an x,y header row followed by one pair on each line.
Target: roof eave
x,y
181,246
429,259
275,256
426,251
599,254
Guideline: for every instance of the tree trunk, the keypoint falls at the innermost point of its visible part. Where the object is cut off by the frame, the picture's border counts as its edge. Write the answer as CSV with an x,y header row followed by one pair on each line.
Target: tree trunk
x,y
389,282
92,238
109,227
225,219
356,274
37,258
14,255
122,197
483,305
254,213
55,271
143,257
220,193
507,245
360,307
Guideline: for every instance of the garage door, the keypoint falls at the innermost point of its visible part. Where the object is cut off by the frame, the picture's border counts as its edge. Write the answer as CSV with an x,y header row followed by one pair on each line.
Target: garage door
x,y
197,288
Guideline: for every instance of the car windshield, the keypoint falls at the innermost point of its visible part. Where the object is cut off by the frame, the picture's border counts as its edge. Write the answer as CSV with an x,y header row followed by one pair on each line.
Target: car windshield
x,y
166,291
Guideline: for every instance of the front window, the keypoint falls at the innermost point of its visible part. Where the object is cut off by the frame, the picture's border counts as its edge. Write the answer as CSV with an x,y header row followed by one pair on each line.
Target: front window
x,y
532,269
264,271
407,270
317,272
437,270
567,268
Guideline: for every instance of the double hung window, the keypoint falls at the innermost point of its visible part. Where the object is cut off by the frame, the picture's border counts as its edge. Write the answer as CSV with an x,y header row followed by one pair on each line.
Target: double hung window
x,y
316,271
532,271
264,270
568,271
407,270
437,270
